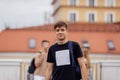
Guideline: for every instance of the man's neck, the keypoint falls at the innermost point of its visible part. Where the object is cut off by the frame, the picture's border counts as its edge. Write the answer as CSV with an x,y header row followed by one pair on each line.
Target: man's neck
x,y
60,42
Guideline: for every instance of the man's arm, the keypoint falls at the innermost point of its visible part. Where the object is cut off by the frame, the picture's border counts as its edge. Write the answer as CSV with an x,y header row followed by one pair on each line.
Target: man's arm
x,y
83,68
49,71
38,60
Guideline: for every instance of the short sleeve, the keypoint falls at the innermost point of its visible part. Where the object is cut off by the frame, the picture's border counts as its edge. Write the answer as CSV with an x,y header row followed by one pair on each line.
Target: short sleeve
x,y
50,57
77,50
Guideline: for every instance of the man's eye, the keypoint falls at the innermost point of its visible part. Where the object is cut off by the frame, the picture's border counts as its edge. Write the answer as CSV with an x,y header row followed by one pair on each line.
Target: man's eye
x,y
57,30
62,30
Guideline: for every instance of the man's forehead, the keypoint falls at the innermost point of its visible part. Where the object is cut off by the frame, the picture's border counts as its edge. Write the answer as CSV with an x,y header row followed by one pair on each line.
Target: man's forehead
x,y
61,27
45,42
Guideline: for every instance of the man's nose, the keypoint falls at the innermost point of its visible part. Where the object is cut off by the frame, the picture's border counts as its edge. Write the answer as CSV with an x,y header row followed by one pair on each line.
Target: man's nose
x,y
60,31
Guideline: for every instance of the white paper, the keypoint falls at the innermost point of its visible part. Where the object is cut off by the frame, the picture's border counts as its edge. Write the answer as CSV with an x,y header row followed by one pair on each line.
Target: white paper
x,y
62,57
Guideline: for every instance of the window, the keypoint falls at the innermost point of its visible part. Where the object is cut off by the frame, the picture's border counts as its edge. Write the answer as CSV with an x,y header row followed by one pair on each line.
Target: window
x,y
111,45
32,43
91,3
110,3
85,44
91,17
73,2
109,17
72,16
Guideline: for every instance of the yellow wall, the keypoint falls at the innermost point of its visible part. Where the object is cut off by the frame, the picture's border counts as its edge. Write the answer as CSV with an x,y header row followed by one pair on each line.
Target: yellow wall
x,y
100,3
62,13
118,3
82,13
64,2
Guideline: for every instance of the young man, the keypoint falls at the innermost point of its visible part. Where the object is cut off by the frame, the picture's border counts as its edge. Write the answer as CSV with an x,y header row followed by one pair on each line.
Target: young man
x,y
61,65
40,61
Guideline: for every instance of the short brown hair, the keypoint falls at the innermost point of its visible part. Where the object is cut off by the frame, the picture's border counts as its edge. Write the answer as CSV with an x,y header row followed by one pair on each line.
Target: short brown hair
x,y
45,41
59,24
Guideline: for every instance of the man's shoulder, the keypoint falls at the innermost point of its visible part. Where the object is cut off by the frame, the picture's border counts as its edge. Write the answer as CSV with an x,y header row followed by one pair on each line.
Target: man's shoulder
x,y
53,46
74,42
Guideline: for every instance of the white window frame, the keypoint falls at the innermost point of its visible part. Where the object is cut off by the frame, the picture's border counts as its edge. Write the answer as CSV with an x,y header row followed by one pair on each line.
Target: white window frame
x,y
95,16
95,3
32,43
111,45
77,15
76,4
106,17
107,3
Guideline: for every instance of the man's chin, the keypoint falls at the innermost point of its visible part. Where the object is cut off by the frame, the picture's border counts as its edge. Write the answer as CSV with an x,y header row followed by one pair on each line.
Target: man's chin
x,y
62,39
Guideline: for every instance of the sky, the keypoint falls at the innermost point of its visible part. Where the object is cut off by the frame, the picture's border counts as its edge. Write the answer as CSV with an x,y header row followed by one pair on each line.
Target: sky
x,y
23,13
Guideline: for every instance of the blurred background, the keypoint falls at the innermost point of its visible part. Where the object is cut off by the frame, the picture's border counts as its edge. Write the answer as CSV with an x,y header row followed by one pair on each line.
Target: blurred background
x,y
94,24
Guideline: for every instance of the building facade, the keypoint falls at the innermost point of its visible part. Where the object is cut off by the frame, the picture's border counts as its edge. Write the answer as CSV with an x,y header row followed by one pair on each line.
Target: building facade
x,y
18,46
87,11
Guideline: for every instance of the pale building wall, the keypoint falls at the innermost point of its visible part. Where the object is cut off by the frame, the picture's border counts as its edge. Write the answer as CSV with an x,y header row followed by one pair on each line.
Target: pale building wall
x,y
83,9
21,61
16,55
83,14
98,3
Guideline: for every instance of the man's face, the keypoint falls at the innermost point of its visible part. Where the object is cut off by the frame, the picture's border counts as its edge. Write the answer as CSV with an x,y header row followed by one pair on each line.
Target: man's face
x,y
46,44
61,33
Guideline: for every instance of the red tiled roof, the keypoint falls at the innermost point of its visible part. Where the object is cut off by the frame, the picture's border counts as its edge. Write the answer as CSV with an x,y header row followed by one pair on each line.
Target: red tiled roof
x,y
16,40
89,27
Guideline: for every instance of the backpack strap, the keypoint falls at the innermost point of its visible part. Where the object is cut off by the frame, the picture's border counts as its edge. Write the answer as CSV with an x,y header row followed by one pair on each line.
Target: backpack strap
x,y
77,68
70,46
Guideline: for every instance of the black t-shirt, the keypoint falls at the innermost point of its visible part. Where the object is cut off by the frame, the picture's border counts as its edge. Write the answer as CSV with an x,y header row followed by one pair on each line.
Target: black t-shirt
x,y
56,55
